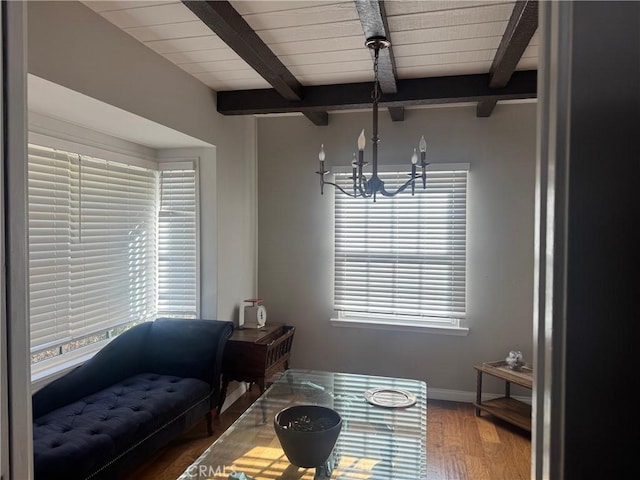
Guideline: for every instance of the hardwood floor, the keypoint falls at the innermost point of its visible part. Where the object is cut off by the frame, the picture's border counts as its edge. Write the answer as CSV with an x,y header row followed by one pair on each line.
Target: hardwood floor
x,y
460,446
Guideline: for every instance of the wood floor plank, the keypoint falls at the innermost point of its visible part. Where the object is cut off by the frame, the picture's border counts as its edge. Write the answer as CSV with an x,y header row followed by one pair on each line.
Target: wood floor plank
x,y
452,423
470,437
477,467
455,466
487,430
435,445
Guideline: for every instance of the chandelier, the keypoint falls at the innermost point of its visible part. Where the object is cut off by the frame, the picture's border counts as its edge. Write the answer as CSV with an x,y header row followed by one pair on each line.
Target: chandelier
x,y
372,186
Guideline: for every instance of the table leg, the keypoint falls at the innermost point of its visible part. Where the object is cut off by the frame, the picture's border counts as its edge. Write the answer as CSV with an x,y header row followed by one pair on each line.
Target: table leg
x,y
261,400
289,379
223,392
478,391
507,389
210,422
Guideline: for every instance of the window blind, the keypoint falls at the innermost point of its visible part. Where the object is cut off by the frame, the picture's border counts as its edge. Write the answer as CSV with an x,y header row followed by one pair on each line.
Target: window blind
x,y
92,229
49,178
404,256
177,244
113,245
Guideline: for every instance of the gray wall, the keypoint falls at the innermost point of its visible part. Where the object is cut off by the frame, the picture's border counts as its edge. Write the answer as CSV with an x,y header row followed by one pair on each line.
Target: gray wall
x,y
73,46
295,241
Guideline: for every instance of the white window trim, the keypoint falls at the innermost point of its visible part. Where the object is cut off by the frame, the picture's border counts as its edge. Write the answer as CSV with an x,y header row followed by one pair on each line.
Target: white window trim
x,y
427,325
430,325
16,426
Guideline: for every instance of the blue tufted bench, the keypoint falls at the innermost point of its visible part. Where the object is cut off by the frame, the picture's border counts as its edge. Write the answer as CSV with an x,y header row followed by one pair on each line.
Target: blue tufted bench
x,y
139,392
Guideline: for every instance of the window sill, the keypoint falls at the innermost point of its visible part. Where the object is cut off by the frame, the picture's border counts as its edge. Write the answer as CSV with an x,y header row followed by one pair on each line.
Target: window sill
x,y
47,371
381,324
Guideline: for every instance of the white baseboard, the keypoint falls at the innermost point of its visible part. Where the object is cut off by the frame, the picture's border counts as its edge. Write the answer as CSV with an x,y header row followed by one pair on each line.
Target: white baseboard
x,y
237,389
466,397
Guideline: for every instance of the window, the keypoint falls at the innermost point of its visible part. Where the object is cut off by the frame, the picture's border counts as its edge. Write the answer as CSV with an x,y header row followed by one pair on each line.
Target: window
x,y
177,262
402,260
99,245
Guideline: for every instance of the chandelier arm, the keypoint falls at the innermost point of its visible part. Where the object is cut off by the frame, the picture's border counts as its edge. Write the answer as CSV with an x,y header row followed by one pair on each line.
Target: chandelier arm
x,y
362,183
401,189
363,191
341,189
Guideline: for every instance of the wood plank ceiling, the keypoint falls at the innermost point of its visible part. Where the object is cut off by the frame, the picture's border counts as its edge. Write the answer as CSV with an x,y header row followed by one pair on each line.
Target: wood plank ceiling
x,y
309,56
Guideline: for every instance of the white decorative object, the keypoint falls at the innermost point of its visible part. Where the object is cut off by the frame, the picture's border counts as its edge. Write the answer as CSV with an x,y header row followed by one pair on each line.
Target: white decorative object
x,y
255,315
390,397
514,360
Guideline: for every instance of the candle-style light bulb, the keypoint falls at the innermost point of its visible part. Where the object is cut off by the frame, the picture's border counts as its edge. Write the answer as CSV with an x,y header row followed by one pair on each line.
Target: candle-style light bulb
x,y
321,155
422,145
414,157
361,141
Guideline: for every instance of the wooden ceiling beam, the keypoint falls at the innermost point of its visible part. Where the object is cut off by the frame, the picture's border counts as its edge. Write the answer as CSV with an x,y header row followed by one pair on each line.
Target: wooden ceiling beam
x,y
521,27
396,114
420,91
318,117
229,25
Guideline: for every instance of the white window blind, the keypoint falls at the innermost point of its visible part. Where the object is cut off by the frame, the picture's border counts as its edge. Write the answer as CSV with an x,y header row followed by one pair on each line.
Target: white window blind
x,y
49,244
177,243
92,244
113,247
402,257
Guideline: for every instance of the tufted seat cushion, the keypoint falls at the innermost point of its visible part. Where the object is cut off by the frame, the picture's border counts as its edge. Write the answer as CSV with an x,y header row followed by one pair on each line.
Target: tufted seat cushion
x,y
82,436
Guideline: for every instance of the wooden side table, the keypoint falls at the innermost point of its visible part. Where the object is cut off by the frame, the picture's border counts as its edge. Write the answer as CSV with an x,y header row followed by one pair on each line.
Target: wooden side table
x,y
255,354
507,408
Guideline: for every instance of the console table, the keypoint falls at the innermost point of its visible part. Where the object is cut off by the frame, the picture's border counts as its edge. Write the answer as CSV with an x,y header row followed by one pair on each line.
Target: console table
x,y
255,354
507,408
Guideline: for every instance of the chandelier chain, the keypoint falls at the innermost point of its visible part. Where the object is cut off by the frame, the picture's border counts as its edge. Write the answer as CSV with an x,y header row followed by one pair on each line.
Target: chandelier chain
x,y
375,94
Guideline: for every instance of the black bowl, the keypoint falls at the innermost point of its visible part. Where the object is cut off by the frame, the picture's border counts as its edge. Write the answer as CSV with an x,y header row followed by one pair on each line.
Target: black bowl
x,y
307,433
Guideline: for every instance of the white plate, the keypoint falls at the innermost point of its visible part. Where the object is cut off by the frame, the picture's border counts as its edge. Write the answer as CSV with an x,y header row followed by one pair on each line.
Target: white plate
x,y
390,397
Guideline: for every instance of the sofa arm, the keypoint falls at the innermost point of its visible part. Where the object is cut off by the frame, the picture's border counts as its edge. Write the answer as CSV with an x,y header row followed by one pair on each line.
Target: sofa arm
x,y
188,348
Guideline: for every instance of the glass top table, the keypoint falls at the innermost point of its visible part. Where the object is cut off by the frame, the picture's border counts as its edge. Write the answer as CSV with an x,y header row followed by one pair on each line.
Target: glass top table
x,y
375,443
